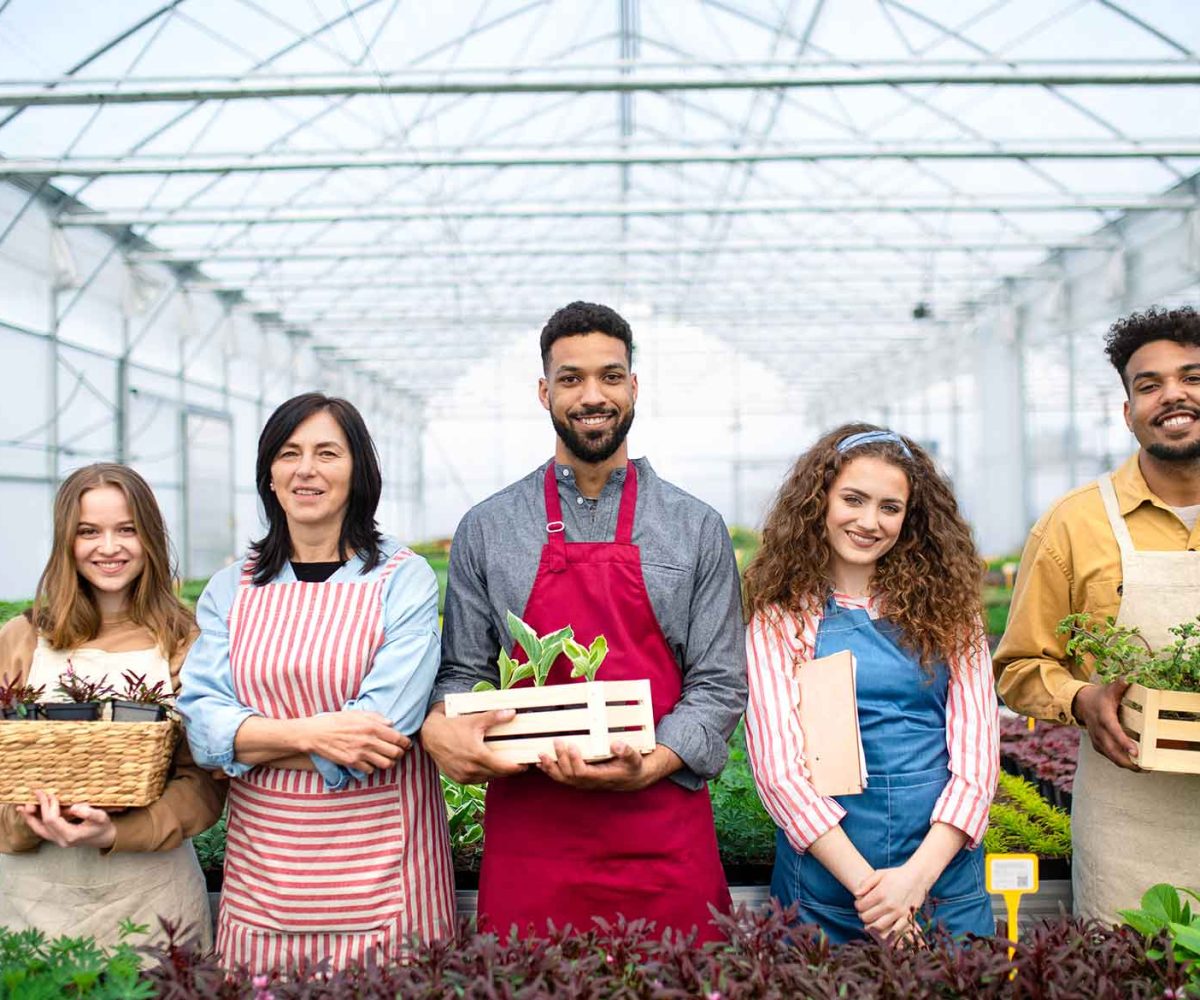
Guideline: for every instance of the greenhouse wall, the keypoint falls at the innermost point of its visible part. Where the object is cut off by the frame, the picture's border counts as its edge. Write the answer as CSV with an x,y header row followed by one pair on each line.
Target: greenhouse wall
x,y
111,361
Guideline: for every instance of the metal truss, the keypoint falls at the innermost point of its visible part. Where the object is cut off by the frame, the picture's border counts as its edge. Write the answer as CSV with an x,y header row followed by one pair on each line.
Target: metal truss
x,y
224,163
358,251
260,215
620,79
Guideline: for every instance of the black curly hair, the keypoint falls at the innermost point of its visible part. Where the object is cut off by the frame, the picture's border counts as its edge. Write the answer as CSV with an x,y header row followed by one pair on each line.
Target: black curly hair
x,y
1125,336
585,317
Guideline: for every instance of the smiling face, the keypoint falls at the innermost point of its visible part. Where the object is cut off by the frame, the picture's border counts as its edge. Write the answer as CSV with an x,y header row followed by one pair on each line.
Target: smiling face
x,y
867,504
310,475
1163,408
590,393
108,551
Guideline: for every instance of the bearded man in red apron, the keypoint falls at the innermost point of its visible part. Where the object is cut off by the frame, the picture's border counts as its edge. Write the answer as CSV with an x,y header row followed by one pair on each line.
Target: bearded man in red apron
x,y
599,542
1127,546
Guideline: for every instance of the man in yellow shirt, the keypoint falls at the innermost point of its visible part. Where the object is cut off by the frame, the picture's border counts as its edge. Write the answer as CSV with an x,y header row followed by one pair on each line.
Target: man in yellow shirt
x,y
1127,546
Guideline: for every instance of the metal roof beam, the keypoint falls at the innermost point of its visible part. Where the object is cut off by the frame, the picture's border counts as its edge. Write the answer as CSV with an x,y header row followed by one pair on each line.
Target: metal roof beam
x,y
287,214
366,250
620,79
998,149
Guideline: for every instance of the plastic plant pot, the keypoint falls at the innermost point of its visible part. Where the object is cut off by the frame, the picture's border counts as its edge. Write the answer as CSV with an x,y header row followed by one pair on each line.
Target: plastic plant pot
x,y
71,711
137,711
27,712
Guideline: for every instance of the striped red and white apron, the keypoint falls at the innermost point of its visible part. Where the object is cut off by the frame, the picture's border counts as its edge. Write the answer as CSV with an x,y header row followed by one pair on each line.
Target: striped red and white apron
x,y
351,875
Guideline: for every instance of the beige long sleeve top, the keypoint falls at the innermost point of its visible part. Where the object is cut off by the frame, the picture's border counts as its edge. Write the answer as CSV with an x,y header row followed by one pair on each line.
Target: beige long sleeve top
x,y
192,800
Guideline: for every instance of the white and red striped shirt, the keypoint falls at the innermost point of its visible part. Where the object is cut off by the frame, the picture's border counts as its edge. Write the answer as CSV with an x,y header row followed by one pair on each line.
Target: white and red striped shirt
x,y
775,642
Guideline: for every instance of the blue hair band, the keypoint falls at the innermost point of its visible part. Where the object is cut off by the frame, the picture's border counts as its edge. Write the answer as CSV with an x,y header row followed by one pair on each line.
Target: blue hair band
x,y
871,437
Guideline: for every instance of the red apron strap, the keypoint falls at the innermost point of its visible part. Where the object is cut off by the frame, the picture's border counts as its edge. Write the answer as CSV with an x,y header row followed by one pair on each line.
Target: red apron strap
x,y
556,535
628,503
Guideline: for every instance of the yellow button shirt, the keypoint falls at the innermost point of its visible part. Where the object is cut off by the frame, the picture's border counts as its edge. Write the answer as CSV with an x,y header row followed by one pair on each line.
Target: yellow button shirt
x,y
1071,564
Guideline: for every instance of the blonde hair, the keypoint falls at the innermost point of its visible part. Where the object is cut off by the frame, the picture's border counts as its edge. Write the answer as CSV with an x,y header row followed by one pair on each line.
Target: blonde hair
x,y
64,610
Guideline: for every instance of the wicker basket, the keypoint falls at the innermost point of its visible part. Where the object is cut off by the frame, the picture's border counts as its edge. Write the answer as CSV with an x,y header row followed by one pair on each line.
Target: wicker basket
x,y
105,764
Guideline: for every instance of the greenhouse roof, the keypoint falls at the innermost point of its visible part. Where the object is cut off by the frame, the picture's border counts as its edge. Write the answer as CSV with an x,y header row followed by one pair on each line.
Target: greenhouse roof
x,y
422,182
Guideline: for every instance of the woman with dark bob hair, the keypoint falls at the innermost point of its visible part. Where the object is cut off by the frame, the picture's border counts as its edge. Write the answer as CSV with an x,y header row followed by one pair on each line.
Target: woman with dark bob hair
x,y
864,550
105,609
315,661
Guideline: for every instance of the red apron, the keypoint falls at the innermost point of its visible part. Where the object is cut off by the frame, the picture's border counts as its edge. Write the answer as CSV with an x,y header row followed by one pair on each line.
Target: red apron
x,y
552,852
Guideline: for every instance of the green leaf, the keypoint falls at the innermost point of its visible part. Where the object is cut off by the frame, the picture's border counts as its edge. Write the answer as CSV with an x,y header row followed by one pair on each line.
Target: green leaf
x,y
507,665
580,663
1187,937
597,652
484,686
522,672
1141,922
552,647
525,637
1161,902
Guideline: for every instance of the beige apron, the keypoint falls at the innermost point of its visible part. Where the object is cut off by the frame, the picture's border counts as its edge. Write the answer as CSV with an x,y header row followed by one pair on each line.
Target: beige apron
x,y
78,890
1131,829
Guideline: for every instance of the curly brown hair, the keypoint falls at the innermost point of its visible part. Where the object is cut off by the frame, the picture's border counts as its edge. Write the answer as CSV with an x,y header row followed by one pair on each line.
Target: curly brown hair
x,y
929,583
1126,335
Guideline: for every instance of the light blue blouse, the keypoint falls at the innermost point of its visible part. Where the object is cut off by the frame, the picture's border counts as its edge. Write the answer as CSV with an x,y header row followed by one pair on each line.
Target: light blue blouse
x,y
397,686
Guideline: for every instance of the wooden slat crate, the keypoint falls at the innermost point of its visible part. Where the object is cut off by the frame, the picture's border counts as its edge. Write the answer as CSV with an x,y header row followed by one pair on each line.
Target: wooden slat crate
x,y
591,716
1142,715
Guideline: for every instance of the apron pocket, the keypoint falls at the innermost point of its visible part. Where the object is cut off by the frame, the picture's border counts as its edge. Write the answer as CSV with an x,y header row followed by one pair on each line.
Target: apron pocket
x,y
303,863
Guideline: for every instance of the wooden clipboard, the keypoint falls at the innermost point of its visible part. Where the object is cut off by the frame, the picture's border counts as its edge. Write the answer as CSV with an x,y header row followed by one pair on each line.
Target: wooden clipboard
x,y
833,747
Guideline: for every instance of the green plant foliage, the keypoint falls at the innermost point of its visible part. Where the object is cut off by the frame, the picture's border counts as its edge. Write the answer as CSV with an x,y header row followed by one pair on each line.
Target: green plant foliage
x,y
1021,822
210,845
1164,912
34,968
586,662
745,832
541,651
10,609
996,602
464,810
1120,653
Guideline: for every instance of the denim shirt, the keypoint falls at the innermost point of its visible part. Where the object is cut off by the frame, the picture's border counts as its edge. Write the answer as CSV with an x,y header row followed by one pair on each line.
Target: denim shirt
x,y
397,686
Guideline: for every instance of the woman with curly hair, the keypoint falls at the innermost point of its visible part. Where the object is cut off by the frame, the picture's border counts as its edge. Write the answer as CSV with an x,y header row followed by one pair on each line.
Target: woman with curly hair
x,y
865,550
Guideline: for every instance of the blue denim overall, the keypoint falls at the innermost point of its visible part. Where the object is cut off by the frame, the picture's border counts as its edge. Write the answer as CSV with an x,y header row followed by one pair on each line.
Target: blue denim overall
x,y
902,716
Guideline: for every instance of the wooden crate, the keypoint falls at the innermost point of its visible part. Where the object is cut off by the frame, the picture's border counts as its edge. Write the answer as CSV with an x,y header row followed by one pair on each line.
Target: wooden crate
x,y
591,715
1141,714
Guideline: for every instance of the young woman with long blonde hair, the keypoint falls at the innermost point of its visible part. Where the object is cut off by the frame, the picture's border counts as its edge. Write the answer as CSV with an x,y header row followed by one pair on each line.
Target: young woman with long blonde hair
x,y
864,550
104,606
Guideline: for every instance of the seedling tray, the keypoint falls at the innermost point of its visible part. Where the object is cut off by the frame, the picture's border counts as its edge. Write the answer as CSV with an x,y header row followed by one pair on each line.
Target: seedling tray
x,y
591,716
1166,725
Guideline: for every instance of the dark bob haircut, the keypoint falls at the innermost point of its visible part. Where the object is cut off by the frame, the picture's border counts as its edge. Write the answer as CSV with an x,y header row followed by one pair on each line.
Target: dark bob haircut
x,y
1127,335
359,534
585,317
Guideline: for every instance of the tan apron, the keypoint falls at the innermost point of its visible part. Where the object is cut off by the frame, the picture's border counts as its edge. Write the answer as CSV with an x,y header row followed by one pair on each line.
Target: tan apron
x,y
1132,829
78,890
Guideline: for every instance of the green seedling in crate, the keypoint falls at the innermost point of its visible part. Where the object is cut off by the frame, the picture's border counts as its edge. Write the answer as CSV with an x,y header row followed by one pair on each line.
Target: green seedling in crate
x,y
540,651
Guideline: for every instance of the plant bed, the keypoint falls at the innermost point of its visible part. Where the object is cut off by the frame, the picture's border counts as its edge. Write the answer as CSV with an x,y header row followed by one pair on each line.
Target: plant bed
x,y
1166,726
762,956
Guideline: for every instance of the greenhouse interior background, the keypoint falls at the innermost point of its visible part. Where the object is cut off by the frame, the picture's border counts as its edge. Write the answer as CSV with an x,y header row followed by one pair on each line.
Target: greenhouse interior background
x,y
923,213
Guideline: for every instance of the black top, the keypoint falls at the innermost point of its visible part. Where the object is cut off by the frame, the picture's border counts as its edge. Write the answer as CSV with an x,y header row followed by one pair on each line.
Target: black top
x,y
315,572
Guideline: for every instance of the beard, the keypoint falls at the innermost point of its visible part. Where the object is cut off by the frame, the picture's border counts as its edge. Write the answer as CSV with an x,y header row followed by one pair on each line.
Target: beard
x,y
1175,453
589,448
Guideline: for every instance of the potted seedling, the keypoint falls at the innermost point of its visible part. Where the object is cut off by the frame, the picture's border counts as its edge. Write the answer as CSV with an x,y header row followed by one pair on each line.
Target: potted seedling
x,y
590,715
139,701
84,698
18,701
1161,707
